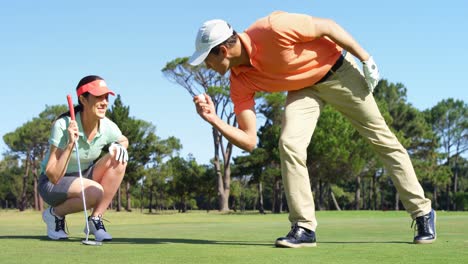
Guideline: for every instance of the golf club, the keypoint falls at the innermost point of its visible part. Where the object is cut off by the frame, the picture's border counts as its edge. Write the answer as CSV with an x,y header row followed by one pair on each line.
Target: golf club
x,y
86,241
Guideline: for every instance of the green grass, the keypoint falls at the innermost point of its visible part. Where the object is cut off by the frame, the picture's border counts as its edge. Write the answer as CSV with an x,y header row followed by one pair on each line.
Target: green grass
x,y
200,237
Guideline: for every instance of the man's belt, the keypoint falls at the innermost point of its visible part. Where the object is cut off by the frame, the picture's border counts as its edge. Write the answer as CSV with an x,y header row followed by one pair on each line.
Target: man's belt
x,y
333,69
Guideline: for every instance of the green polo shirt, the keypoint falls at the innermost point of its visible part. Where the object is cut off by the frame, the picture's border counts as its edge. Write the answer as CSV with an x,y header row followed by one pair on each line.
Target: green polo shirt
x,y
108,132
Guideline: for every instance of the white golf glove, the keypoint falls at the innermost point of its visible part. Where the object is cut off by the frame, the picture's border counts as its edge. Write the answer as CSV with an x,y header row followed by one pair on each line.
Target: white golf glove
x,y
371,73
118,152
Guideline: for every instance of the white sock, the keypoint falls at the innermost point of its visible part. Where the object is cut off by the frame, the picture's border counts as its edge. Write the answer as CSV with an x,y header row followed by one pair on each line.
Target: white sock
x,y
52,211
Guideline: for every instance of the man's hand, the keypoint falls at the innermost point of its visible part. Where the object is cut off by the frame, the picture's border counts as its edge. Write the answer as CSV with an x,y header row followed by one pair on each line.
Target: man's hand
x,y
371,73
205,107
118,152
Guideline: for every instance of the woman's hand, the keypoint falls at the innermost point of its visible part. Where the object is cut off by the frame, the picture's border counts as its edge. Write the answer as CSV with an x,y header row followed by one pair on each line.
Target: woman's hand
x,y
72,132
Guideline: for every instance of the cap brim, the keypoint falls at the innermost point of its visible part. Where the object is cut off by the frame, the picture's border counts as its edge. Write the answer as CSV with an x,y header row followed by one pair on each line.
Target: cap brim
x,y
198,57
100,90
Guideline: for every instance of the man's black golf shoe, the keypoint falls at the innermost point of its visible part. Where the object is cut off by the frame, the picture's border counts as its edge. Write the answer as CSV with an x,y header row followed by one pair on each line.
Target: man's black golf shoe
x,y
296,238
425,228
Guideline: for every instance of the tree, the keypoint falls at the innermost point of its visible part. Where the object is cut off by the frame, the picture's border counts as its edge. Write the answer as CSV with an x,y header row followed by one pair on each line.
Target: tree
x,y
243,194
141,137
30,142
337,154
253,165
155,187
271,107
10,181
146,153
217,87
159,171
449,120
408,123
184,174
263,163
207,189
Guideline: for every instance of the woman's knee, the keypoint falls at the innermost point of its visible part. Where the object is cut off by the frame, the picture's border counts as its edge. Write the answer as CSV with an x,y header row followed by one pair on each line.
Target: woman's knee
x,y
94,193
116,169
121,167
108,166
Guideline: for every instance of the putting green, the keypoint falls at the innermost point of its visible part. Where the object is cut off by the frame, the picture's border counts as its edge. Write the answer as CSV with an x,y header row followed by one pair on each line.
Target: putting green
x,y
200,237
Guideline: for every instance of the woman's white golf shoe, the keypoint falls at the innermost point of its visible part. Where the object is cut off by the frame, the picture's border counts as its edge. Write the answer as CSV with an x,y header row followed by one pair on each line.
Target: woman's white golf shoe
x,y
55,225
96,228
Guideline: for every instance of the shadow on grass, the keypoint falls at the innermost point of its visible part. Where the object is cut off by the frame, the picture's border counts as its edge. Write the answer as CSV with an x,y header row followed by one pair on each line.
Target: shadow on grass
x,y
125,240
129,240
42,238
364,242
147,241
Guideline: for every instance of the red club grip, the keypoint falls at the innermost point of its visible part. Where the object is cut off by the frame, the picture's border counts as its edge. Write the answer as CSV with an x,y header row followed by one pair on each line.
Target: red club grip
x,y
70,106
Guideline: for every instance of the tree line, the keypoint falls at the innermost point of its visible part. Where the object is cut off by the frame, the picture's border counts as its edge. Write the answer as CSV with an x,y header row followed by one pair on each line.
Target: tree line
x,y
345,173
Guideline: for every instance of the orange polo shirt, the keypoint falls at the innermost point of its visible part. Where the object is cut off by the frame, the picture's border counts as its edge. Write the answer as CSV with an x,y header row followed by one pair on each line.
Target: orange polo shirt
x,y
284,55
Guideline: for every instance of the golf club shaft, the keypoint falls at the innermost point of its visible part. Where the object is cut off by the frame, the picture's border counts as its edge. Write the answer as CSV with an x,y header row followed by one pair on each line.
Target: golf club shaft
x,y
82,189
72,115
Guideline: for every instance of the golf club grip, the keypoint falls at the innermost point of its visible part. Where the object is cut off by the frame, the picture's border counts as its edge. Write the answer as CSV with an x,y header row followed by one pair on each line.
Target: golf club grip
x,y
70,106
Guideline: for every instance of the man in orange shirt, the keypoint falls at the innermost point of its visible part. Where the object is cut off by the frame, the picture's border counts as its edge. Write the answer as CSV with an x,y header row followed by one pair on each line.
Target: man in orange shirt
x,y
310,58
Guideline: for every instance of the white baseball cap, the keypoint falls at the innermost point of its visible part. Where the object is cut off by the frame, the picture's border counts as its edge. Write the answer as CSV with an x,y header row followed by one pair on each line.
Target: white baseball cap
x,y
210,34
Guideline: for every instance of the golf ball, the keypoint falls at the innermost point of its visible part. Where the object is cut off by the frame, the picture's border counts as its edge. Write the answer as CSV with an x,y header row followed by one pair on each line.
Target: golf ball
x,y
201,98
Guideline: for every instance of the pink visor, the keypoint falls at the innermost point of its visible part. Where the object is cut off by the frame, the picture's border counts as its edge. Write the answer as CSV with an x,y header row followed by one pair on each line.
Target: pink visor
x,y
96,88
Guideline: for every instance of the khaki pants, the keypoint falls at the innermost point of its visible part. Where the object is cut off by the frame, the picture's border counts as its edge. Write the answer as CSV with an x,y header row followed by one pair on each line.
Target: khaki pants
x,y
347,92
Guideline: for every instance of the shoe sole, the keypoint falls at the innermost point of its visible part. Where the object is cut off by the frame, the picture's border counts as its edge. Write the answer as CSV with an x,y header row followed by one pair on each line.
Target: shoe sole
x,y
104,240
60,238
55,237
435,231
283,244
419,242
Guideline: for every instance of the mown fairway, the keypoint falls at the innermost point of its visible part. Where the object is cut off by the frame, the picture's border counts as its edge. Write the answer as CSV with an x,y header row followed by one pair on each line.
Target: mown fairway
x,y
200,237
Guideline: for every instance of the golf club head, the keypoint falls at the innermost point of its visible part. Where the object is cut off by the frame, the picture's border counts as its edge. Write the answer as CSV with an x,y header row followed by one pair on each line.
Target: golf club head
x,y
91,243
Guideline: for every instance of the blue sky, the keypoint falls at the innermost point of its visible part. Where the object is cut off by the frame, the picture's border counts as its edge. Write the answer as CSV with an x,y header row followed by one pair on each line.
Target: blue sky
x,y
46,47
